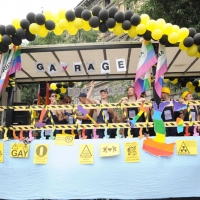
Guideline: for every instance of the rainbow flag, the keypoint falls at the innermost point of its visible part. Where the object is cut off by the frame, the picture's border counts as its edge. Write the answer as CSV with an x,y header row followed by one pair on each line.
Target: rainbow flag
x,y
146,60
6,68
160,70
16,63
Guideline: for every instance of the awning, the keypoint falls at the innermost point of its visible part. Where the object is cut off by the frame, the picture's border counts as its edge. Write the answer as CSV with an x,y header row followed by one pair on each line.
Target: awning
x,y
179,63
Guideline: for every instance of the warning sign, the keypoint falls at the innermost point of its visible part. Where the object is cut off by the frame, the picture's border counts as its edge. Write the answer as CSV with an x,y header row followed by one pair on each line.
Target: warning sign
x,y
41,153
64,139
19,150
186,147
131,150
1,152
109,149
86,154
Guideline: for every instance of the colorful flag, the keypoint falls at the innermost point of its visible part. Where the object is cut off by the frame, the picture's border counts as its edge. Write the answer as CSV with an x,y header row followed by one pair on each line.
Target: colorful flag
x,y
6,68
147,81
16,63
146,61
161,69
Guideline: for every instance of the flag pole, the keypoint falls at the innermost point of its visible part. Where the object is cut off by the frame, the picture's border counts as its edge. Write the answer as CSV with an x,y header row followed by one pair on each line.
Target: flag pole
x,y
155,95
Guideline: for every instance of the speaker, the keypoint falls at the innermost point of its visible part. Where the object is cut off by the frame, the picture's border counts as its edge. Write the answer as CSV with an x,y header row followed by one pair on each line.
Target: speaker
x,y
21,117
43,89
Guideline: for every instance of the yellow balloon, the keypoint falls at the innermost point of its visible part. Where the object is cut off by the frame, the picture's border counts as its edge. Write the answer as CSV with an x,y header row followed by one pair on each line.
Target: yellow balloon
x,y
61,13
191,51
182,47
192,89
198,93
144,18
166,80
16,23
43,31
125,31
141,29
160,23
78,23
175,28
96,29
48,15
53,86
175,81
183,33
71,29
151,25
110,29
199,83
132,32
86,26
189,84
167,28
55,18
57,30
0,38
63,24
118,30
57,96
156,34
173,38
34,28
63,90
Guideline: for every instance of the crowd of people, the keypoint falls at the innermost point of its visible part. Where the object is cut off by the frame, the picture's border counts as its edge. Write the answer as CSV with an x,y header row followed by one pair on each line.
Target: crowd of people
x,y
110,115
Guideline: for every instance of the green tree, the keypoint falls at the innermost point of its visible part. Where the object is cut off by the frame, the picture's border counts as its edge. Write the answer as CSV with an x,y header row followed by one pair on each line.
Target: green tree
x,y
184,13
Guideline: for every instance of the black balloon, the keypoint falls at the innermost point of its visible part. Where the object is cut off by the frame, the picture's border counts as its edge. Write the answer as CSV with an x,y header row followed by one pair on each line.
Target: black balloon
x,y
147,35
197,39
65,85
6,40
96,10
192,32
126,25
30,37
102,27
78,11
3,48
58,85
58,91
2,30
112,12
110,23
103,15
119,17
20,33
197,89
40,19
171,79
164,40
135,20
10,30
183,84
70,16
50,25
86,15
24,23
31,17
94,21
16,41
191,79
128,14
195,82
71,84
188,42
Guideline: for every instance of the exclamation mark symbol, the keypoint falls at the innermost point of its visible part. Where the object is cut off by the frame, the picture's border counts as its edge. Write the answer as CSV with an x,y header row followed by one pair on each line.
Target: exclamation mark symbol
x,y
41,151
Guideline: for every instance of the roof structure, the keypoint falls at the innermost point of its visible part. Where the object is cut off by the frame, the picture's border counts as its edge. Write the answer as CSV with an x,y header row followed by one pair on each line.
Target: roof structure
x,y
179,63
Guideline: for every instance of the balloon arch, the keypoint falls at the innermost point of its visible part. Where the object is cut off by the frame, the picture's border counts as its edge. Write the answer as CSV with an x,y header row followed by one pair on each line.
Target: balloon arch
x,y
99,19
